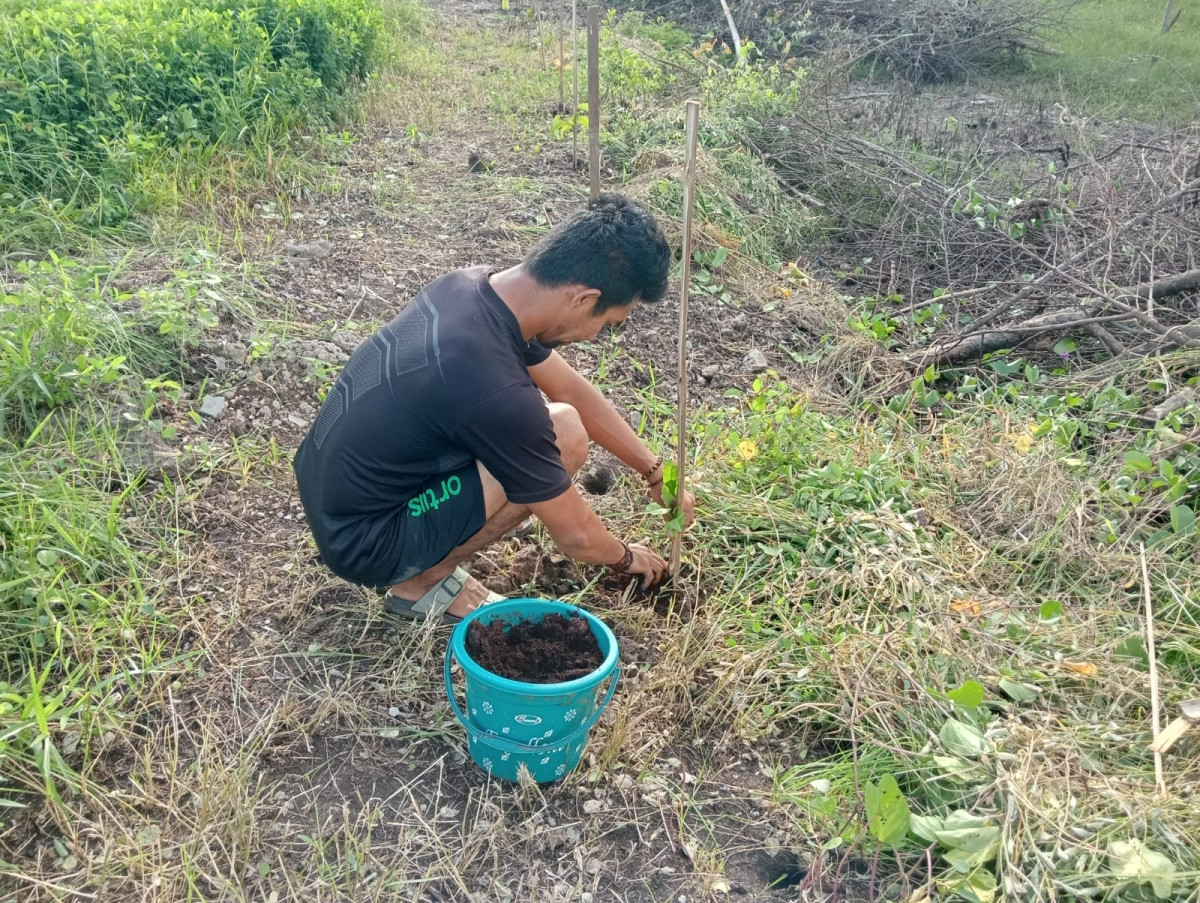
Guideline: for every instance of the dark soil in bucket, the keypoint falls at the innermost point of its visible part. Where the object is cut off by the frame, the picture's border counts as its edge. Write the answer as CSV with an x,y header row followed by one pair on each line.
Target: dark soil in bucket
x,y
553,649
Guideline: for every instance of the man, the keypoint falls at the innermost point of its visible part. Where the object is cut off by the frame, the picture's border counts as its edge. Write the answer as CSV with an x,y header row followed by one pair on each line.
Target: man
x,y
435,440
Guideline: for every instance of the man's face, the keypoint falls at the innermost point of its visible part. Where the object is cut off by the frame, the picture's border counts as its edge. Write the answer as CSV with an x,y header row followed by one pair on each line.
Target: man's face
x,y
580,322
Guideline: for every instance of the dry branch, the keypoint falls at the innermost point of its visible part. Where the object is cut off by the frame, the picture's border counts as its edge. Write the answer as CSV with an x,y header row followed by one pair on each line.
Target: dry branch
x,y
1056,259
1173,403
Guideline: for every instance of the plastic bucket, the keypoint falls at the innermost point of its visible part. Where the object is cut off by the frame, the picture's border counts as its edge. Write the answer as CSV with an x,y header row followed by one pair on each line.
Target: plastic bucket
x,y
511,723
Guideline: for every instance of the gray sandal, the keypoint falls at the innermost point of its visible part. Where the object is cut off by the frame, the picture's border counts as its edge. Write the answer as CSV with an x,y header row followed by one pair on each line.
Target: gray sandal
x,y
435,602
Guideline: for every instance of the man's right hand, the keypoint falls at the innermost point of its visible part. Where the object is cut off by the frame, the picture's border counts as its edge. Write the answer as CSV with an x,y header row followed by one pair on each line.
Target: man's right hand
x,y
647,565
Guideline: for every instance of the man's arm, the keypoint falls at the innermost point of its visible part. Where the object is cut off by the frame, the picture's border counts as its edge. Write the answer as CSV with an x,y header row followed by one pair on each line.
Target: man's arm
x,y
562,382
608,429
579,532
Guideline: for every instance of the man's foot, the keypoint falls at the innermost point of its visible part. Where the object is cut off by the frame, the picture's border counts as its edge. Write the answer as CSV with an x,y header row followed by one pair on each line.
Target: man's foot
x,y
451,599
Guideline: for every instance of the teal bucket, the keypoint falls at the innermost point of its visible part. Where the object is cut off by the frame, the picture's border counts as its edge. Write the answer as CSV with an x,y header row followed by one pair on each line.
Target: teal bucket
x,y
512,723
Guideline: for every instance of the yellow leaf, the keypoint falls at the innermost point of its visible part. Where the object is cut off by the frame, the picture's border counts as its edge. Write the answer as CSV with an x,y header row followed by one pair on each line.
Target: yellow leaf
x,y
968,605
747,448
1022,440
1087,669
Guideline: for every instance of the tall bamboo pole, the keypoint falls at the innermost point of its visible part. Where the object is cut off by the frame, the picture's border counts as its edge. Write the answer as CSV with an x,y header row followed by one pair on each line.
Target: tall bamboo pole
x,y
593,39
575,94
692,121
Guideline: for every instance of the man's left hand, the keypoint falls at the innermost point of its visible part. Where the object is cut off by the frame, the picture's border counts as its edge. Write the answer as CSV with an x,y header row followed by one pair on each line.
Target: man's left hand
x,y
687,504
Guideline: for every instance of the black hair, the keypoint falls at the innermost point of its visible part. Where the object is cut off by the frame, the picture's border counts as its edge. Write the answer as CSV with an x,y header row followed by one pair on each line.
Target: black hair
x,y
614,245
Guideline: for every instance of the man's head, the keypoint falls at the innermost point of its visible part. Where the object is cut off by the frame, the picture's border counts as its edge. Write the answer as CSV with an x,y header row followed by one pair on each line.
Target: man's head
x,y
605,258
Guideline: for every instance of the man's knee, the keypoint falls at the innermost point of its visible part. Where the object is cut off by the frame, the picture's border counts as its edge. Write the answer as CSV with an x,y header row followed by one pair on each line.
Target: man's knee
x,y
571,436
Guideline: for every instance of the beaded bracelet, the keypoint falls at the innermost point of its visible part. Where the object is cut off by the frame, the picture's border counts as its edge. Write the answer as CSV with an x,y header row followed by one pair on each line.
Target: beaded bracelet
x,y
658,462
622,566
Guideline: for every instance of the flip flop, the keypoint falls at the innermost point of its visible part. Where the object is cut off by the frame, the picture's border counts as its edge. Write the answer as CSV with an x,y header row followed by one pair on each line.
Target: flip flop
x,y
435,602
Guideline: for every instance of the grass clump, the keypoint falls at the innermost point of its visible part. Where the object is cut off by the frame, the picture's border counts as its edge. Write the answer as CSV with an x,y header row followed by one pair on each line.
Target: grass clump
x,y
78,622
100,93
933,626
87,373
68,333
1116,62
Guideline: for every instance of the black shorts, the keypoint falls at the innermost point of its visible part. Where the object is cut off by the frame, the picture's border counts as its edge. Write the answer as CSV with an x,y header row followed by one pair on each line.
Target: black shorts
x,y
439,519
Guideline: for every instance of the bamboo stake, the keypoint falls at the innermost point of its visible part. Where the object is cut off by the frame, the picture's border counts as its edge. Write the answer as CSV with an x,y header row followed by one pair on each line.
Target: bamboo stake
x,y
562,64
692,120
593,39
1154,719
575,74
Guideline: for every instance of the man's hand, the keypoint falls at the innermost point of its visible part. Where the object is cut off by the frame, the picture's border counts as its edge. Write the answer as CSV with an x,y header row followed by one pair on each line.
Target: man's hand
x,y
647,565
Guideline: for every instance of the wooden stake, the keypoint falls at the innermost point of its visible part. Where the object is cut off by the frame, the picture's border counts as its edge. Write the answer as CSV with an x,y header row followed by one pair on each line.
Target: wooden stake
x,y
1154,720
575,94
593,39
562,64
692,121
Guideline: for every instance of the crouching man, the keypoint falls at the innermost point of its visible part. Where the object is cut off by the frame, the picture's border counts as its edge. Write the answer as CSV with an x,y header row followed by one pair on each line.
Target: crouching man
x,y
436,440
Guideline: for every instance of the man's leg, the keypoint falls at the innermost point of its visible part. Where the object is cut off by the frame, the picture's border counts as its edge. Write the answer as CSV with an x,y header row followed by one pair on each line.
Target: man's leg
x,y
502,515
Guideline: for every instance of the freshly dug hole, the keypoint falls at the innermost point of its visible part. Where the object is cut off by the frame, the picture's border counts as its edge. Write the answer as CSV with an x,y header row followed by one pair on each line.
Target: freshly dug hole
x,y
548,651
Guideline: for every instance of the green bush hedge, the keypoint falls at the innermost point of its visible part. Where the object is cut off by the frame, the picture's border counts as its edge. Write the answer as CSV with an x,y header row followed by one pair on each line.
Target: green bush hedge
x,y
88,85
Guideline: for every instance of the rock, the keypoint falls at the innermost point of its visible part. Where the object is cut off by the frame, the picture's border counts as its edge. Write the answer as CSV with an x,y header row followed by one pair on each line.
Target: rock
x,y
297,421
591,807
213,406
231,352
313,250
313,350
711,371
235,351
346,340
141,450
754,361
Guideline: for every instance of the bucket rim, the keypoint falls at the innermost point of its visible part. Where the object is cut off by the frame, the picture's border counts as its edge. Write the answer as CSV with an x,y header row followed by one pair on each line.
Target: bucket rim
x,y
474,669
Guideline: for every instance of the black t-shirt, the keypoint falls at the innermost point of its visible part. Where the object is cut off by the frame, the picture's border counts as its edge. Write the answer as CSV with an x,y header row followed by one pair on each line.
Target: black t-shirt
x,y
445,383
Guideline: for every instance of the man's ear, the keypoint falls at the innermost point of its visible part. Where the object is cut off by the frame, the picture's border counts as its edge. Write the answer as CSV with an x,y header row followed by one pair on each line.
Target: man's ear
x,y
585,298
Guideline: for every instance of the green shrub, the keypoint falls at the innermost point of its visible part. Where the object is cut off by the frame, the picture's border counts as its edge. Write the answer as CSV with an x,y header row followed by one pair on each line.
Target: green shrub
x,y
65,333
91,87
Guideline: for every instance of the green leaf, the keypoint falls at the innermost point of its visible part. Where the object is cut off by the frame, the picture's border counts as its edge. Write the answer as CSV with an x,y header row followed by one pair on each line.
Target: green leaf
x,y
887,810
962,739
1183,520
977,887
1064,346
970,695
1139,460
926,826
47,558
1050,612
1137,863
720,255
670,483
1133,646
969,840
1017,692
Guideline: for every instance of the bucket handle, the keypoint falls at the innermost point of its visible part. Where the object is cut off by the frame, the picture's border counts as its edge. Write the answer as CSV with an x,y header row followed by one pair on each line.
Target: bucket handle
x,y
512,745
